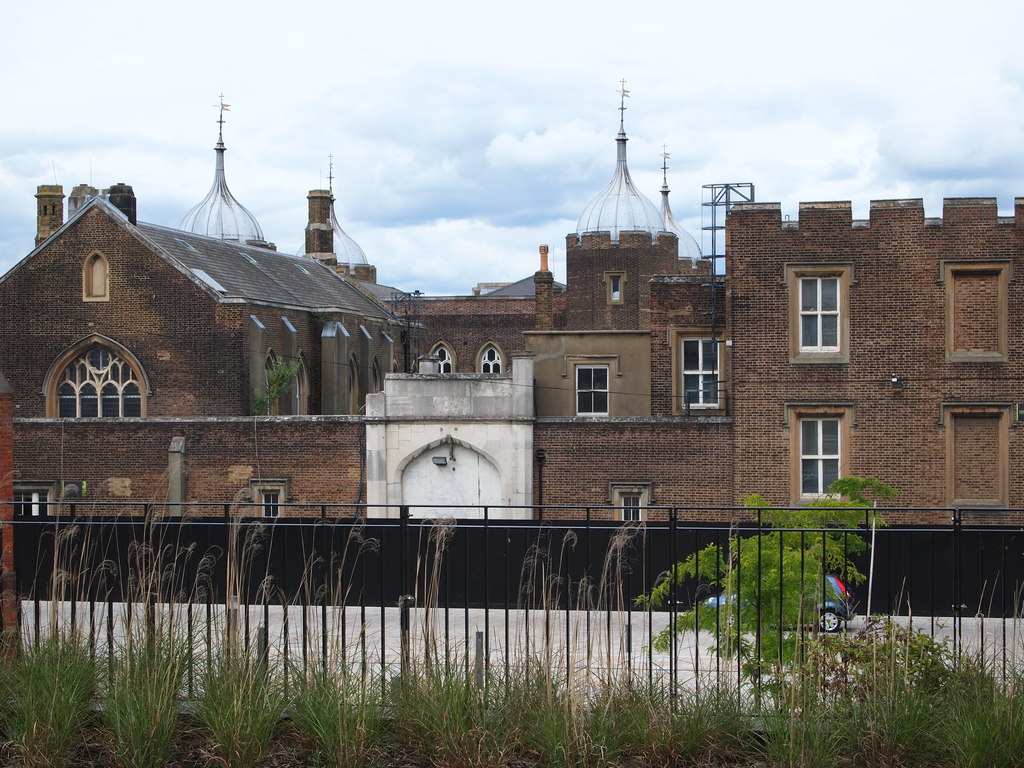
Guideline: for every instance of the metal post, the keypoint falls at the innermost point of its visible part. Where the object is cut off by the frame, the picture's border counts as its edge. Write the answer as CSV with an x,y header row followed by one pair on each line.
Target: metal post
x,y
405,599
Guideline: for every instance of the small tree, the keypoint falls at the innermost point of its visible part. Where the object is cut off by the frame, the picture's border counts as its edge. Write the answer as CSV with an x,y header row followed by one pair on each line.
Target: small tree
x,y
281,377
771,583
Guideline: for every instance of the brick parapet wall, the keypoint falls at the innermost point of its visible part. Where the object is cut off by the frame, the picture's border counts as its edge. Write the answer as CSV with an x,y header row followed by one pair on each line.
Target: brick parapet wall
x,y
125,460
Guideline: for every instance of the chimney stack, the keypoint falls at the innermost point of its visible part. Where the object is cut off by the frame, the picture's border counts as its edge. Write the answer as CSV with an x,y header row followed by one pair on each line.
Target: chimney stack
x,y
49,210
122,197
319,230
543,286
80,195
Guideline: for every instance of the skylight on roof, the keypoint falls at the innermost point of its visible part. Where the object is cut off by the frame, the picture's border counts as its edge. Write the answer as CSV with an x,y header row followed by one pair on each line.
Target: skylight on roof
x,y
301,269
185,243
210,281
248,258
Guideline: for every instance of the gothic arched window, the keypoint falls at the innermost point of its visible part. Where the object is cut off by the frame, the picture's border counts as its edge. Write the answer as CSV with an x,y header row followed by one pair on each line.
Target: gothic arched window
x,y
95,278
445,357
98,383
490,359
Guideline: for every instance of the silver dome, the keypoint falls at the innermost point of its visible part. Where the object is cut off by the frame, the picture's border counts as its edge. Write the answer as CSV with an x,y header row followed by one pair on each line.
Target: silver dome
x,y
219,214
620,207
688,246
346,249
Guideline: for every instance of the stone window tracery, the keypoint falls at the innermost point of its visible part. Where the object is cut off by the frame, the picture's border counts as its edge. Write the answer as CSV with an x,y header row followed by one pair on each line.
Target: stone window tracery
x,y
98,383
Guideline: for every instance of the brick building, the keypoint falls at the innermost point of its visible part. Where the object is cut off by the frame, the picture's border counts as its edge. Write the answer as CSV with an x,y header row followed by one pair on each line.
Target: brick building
x,y
889,347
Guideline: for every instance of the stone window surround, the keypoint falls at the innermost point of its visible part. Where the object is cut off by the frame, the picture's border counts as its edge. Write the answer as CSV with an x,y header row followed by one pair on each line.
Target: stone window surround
x,y
793,273
610,280
53,377
797,412
617,490
947,413
948,270
90,290
261,488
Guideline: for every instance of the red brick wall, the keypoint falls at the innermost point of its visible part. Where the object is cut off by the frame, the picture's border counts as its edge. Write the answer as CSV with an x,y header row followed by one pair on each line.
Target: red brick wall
x,y
126,460
690,463
634,256
897,325
466,323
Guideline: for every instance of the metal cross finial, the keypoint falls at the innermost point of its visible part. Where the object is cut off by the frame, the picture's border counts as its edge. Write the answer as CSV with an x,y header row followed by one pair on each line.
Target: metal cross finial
x,y
220,120
623,94
330,174
664,164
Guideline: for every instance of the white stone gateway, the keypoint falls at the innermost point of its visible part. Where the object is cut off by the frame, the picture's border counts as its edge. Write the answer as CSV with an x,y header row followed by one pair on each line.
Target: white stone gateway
x,y
450,444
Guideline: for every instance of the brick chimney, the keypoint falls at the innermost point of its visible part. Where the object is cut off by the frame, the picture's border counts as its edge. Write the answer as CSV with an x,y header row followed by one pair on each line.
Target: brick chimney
x,y
319,231
122,197
543,283
49,210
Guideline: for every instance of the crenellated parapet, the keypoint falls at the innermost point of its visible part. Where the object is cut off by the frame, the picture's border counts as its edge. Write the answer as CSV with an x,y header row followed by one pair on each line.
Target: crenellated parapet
x,y
978,212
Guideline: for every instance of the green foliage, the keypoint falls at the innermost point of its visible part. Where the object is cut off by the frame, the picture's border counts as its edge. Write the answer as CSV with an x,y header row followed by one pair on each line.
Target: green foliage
x,y
280,379
773,582
49,692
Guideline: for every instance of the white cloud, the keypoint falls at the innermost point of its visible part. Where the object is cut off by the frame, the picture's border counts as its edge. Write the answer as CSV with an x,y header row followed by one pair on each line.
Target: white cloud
x,y
502,118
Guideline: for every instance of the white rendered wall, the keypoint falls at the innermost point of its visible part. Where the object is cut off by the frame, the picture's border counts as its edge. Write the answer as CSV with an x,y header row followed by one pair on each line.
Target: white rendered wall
x,y
480,425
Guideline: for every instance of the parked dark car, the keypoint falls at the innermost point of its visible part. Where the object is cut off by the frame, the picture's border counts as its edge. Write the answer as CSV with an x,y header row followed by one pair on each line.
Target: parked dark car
x,y
834,611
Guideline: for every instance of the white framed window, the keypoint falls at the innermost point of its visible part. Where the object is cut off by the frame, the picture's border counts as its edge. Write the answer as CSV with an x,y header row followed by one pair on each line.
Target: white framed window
x,y
820,451
632,507
819,314
33,499
490,360
98,383
445,357
268,495
700,373
631,498
592,390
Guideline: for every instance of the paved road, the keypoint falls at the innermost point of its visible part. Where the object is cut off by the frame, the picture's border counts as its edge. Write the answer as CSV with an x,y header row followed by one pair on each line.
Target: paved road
x,y
595,643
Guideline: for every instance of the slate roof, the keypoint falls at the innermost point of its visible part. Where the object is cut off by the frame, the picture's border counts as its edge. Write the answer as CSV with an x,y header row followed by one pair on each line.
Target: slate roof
x,y
257,274
524,287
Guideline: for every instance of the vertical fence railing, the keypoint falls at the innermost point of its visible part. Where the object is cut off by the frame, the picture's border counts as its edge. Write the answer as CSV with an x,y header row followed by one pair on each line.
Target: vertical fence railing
x,y
554,584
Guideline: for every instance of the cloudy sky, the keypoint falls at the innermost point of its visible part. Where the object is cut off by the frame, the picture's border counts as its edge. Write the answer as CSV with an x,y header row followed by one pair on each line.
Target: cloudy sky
x,y
467,132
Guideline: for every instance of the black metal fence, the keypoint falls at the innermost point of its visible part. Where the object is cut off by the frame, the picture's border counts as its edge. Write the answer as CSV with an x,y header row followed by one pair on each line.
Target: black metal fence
x,y
380,588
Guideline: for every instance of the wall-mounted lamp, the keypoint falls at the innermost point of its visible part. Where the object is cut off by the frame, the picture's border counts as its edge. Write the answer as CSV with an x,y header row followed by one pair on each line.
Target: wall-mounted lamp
x,y
441,461
895,381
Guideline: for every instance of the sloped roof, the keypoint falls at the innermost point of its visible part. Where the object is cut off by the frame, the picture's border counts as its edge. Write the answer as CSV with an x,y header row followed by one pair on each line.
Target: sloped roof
x,y
524,287
249,273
